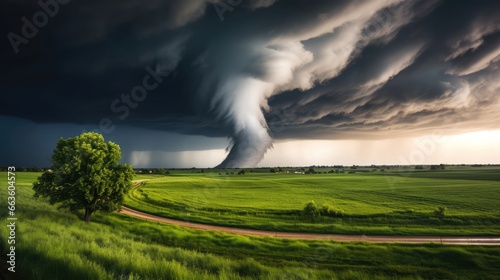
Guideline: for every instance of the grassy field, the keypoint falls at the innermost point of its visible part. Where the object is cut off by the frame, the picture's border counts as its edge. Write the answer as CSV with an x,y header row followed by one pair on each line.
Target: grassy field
x,y
394,202
59,245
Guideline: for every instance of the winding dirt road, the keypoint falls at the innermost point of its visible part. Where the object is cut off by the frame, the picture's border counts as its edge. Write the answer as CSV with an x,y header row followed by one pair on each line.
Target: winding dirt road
x,y
313,236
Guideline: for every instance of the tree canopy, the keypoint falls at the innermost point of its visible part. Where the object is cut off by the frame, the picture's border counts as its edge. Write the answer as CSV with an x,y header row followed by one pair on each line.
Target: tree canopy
x,y
86,174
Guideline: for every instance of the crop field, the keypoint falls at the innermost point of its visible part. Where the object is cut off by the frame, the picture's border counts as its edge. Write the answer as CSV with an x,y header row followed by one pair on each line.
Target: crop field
x,y
393,202
56,244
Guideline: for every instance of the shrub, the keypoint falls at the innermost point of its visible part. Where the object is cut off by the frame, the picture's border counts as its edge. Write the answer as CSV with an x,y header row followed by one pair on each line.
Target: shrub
x,y
311,210
328,210
440,212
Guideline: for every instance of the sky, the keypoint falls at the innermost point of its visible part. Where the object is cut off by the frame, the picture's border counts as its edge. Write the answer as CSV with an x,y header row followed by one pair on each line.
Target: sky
x,y
245,83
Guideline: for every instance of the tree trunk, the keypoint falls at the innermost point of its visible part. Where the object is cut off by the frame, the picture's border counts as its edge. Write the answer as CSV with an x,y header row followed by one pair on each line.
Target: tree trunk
x,y
88,213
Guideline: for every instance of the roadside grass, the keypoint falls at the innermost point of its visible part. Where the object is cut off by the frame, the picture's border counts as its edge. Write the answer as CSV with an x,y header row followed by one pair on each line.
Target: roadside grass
x,y
54,244
395,202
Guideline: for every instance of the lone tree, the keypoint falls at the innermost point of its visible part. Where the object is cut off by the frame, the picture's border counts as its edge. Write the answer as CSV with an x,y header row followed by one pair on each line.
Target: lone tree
x,y
85,174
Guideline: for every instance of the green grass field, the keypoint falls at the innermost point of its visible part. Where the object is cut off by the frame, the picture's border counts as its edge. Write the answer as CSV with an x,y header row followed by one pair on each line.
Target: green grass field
x,y
399,202
53,244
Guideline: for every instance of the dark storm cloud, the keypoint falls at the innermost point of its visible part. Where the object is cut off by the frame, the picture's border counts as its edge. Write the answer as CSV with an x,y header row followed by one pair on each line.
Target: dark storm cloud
x,y
389,89
295,69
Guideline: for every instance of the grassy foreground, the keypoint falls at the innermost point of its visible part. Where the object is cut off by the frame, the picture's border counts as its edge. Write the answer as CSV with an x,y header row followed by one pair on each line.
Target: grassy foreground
x,y
58,245
400,202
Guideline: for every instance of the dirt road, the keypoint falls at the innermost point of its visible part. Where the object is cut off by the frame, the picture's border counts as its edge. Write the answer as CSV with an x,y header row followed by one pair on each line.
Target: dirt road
x,y
313,236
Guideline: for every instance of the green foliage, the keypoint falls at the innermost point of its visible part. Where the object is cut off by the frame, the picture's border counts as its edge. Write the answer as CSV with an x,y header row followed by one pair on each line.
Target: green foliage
x,y
330,211
311,210
86,175
160,171
440,212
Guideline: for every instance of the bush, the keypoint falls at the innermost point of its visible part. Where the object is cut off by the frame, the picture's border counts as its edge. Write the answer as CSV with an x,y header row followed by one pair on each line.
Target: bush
x,y
328,210
160,171
311,210
440,212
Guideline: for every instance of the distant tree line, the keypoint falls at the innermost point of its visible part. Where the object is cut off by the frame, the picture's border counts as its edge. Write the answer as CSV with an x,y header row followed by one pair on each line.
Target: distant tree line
x,y
25,169
438,167
159,171
432,167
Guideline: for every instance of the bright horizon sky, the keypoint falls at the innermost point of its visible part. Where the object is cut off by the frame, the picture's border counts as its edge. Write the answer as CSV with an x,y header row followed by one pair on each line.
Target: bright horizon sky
x,y
33,145
470,148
